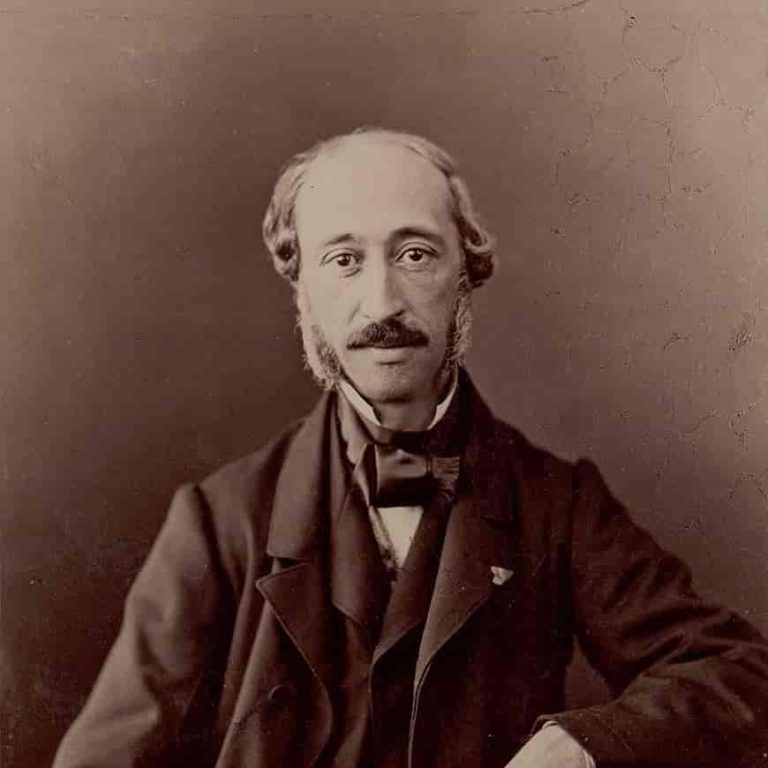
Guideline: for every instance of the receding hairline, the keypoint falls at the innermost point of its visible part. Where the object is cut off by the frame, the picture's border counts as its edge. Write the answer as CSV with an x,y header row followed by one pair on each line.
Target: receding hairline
x,y
409,145
353,143
419,145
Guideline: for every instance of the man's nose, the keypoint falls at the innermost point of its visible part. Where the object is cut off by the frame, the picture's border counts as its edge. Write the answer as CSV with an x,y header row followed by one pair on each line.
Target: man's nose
x,y
381,295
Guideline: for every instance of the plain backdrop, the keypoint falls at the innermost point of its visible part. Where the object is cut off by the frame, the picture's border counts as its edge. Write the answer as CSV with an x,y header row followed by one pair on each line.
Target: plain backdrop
x,y
618,148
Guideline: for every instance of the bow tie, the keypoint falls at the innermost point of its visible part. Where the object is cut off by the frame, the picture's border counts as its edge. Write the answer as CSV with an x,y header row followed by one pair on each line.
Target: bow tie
x,y
407,478
401,468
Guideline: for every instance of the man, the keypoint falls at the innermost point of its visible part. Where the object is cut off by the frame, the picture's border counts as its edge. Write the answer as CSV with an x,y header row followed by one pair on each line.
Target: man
x,y
398,579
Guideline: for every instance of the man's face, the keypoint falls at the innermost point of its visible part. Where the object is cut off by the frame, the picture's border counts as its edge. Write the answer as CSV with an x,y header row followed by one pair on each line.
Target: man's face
x,y
380,271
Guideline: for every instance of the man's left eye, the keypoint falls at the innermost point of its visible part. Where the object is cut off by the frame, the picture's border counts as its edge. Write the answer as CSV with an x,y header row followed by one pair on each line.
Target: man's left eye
x,y
414,255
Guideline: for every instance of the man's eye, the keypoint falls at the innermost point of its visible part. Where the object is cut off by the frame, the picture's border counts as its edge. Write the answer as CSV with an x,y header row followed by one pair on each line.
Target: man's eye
x,y
414,255
342,260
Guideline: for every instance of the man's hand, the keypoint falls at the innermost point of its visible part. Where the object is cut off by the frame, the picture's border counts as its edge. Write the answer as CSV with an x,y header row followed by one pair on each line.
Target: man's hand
x,y
552,747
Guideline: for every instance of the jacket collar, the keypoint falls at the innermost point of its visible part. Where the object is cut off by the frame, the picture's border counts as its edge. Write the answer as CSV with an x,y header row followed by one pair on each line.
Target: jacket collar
x,y
298,521
487,462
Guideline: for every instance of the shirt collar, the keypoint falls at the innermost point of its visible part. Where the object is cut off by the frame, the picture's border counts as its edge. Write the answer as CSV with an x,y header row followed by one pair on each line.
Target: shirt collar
x,y
364,408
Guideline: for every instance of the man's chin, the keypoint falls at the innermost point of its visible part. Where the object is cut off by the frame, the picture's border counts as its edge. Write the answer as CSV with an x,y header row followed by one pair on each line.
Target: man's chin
x,y
389,381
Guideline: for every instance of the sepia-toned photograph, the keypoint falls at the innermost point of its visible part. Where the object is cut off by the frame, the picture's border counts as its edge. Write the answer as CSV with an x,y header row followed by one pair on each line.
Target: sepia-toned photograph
x,y
384,384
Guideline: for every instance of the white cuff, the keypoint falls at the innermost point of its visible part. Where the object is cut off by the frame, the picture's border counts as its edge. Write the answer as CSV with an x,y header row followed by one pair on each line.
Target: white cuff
x,y
589,761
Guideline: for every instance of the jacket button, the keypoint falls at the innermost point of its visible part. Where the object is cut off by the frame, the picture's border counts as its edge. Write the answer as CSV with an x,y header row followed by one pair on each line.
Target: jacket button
x,y
279,695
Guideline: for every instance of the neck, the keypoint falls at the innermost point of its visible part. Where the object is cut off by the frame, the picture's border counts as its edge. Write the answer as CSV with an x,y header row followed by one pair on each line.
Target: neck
x,y
411,416
417,412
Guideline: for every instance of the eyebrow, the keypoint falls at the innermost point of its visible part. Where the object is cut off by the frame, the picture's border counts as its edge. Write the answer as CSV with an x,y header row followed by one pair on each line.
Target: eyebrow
x,y
338,239
399,234
422,232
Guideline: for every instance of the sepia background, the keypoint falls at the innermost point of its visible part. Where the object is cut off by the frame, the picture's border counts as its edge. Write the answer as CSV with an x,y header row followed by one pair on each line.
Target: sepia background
x,y
619,149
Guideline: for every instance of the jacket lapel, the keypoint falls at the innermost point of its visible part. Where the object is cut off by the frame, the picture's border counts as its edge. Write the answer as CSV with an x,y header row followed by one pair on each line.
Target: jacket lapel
x,y
412,593
481,534
297,588
359,584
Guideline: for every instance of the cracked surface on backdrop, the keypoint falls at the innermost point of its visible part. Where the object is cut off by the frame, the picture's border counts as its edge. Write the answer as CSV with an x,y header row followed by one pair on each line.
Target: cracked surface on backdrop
x,y
650,122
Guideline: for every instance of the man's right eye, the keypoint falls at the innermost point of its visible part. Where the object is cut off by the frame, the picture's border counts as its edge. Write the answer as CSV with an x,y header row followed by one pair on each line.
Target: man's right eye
x,y
341,259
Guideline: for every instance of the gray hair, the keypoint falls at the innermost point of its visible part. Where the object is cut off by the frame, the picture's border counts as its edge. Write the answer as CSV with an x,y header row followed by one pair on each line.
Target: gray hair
x,y
279,228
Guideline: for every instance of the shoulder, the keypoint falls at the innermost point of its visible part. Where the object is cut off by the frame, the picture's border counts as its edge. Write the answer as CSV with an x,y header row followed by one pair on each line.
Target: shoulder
x,y
251,477
533,483
549,489
534,466
504,446
233,505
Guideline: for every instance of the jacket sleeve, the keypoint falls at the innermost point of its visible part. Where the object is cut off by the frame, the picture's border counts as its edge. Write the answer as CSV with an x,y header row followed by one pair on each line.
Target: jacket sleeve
x,y
159,658
690,679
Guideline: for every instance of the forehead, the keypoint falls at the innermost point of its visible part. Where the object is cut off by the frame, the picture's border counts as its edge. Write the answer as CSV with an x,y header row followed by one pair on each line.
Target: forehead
x,y
369,189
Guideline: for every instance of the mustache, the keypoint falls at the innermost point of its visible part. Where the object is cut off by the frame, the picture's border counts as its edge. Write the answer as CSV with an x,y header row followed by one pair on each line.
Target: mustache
x,y
387,334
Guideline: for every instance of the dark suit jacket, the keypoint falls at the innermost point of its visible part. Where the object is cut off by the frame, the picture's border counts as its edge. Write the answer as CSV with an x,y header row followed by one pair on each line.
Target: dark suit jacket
x,y
224,656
